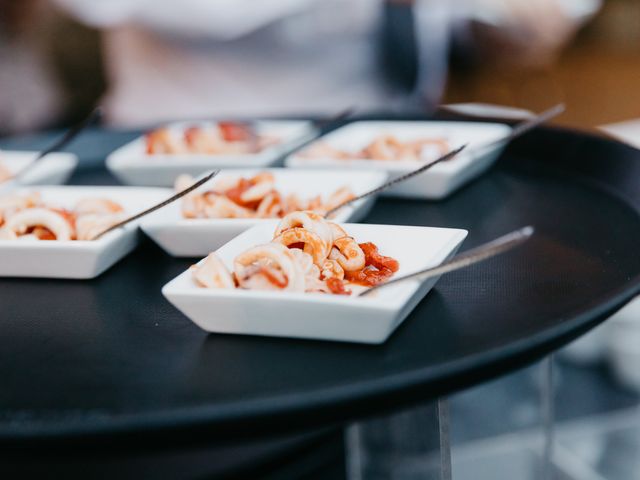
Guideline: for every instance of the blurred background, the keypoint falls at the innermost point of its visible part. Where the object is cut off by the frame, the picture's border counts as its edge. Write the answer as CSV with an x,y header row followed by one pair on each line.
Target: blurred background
x,y
149,62
58,58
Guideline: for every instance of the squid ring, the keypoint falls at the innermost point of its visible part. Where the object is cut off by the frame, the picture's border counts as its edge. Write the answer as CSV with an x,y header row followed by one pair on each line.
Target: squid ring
x,y
212,273
313,244
270,206
273,255
332,269
100,206
89,226
348,254
219,206
310,221
336,231
20,222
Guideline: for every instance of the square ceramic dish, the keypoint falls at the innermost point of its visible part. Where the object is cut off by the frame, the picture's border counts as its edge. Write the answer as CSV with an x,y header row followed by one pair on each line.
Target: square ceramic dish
x,y
196,237
442,180
54,169
133,166
77,259
319,316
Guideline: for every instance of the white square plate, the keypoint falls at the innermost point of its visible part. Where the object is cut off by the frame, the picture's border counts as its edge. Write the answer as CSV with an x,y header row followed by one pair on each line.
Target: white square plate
x,y
369,319
196,237
77,259
133,166
438,182
54,169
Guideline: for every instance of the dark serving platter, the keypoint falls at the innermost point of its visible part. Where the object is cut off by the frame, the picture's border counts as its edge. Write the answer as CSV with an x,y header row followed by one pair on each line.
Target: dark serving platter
x,y
83,362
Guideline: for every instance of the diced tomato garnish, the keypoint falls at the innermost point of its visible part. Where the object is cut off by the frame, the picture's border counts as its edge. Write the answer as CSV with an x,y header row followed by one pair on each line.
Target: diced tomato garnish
x,y
42,233
336,286
190,135
236,132
235,194
268,274
373,257
369,276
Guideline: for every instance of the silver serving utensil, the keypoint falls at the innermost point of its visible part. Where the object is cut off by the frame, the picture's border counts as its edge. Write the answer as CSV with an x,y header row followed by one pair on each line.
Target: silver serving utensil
x,y
447,156
61,142
518,130
160,205
321,127
475,255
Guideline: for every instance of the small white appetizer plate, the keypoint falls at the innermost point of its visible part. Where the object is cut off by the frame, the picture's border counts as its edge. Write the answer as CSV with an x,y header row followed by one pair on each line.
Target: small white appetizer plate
x,y
133,166
75,259
369,319
196,237
438,182
54,169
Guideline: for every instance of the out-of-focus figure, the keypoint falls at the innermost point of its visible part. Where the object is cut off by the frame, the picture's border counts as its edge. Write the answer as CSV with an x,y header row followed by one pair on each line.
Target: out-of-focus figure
x,y
198,58
29,93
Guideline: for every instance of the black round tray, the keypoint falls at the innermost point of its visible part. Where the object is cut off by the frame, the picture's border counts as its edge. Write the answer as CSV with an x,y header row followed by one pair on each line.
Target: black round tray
x,y
84,361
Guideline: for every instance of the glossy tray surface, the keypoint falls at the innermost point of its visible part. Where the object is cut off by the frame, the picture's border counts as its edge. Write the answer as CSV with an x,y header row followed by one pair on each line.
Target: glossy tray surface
x,y
106,356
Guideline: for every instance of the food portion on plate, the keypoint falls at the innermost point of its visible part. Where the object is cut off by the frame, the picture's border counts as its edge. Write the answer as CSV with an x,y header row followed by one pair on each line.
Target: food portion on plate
x,y
253,197
237,200
26,217
50,232
53,169
195,147
221,138
273,278
383,147
306,254
401,147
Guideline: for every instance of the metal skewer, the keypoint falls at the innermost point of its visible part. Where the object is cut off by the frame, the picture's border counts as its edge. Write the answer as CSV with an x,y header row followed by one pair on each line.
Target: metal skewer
x,y
160,205
475,255
518,130
61,142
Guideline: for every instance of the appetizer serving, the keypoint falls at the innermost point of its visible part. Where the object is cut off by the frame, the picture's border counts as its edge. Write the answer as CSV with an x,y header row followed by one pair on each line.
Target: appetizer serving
x,y
237,200
306,254
54,169
399,147
25,216
254,197
383,147
222,138
274,296
193,148
49,232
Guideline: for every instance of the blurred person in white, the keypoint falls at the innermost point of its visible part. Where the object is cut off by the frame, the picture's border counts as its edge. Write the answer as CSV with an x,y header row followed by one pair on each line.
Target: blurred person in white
x,y
29,92
199,58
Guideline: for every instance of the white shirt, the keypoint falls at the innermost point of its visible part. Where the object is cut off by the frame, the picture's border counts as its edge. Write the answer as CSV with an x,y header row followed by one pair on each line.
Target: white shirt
x,y
204,58
199,58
